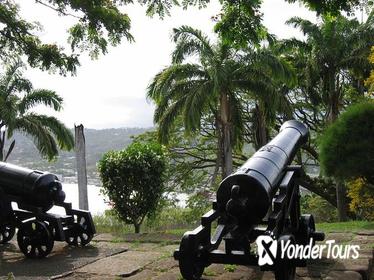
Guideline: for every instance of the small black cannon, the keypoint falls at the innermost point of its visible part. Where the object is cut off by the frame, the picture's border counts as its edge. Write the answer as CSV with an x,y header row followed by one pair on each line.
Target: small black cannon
x,y
35,193
260,200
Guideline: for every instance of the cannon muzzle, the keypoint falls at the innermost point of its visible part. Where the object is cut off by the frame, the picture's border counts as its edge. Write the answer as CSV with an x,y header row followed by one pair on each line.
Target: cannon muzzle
x,y
246,195
32,187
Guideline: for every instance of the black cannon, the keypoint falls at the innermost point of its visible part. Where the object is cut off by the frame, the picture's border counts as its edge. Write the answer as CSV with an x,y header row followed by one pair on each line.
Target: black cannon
x,y
261,199
35,193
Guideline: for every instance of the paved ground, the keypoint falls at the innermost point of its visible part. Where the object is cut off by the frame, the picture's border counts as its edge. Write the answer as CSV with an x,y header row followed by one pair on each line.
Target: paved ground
x,y
109,258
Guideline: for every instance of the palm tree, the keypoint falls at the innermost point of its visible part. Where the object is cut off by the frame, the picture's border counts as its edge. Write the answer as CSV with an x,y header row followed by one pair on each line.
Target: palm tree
x,y
335,54
215,85
333,66
17,99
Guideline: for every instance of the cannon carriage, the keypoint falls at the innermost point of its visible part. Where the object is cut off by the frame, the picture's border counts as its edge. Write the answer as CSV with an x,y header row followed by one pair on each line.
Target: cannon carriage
x,y
260,199
35,193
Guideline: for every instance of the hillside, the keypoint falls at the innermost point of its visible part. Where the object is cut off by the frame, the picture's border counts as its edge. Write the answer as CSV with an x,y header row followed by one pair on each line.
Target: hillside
x,y
97,143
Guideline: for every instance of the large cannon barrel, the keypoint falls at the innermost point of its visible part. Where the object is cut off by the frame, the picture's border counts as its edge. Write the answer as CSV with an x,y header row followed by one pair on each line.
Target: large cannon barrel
x,y
247,194
31,187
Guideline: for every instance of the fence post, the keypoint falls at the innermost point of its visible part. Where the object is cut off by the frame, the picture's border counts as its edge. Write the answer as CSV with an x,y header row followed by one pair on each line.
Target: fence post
x,y
80,154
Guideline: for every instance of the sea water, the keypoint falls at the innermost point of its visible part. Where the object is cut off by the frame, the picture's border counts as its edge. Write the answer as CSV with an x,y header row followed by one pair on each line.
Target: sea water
x,y
97,202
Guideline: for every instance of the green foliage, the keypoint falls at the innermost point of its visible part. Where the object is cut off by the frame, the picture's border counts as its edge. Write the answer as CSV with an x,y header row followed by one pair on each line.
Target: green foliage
x,y
17,99
350,226
369,82
194,161
347,146
208,272
110,223
162,8
362,199
170,219
230,267
98,23
322,210
332,65
334,6
240,23
133,180
217,91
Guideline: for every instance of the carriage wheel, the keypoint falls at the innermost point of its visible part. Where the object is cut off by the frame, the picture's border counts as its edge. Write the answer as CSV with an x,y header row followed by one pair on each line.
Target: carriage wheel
x,y
34,239
7,232
307,228
285,269
79,234
190,266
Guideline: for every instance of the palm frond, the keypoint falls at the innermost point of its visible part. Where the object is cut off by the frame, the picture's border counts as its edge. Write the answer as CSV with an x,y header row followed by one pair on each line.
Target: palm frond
x,y
60,132
12,74
306,26
190,41
177,91
41,136
292,44
166,79
40,96
168,119
197,104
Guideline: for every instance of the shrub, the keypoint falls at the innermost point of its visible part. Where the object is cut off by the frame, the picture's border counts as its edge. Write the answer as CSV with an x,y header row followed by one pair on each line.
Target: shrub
x,y
347,146
320,208
133,180
362,199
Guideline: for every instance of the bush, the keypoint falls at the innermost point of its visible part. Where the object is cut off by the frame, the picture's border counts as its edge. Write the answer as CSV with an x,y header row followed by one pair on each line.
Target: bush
x,y
322,210
347,146
362,199
133,180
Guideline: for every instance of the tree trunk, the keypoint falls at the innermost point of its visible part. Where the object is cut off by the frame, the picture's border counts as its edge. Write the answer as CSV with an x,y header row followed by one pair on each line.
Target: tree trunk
x,y
261,133
226,149
341,201
2,144
334,98
80,152
137,228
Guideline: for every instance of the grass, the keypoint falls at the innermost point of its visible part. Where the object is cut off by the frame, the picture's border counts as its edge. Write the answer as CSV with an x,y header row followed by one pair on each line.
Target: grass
x,y
173,226
230,267
208,272
170,220
345,226
178,231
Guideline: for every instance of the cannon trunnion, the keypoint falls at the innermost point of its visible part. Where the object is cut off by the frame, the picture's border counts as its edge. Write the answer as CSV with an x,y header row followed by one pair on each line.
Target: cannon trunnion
x,y
35,193
260,199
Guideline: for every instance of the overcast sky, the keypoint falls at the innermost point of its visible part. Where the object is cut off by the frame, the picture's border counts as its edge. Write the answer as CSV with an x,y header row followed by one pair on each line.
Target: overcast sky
x,y
110,92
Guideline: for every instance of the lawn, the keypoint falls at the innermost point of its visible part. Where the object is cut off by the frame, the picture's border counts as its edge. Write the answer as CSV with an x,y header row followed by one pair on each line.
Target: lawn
x,y
110,224
346,226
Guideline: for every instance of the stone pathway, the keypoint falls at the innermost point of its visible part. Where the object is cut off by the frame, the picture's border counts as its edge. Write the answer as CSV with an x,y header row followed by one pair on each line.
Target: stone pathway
x,y
107,258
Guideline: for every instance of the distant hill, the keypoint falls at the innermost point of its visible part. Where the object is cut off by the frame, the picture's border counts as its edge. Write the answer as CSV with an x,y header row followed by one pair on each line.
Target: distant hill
x,y
97,143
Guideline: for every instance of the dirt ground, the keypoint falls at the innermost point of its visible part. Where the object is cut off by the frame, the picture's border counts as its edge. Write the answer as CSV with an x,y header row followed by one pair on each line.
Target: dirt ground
x,y
107,257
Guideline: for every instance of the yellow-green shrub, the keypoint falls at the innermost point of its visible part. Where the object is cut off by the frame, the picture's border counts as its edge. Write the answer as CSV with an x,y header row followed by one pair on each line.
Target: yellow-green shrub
x,y
362,198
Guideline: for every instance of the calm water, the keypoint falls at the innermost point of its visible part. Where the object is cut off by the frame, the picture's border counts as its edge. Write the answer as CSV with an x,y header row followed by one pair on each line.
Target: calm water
x,y
96,201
